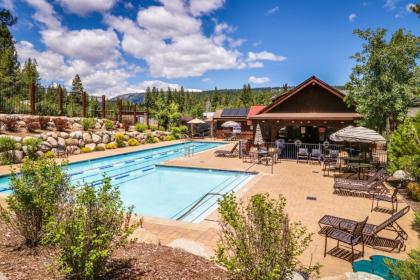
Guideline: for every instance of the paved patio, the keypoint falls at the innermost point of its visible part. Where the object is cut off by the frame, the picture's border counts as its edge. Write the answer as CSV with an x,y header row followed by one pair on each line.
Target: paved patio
x,y
295,182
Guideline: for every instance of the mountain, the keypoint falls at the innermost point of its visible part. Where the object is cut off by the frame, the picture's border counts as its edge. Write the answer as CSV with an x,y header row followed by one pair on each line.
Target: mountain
x,y
135,97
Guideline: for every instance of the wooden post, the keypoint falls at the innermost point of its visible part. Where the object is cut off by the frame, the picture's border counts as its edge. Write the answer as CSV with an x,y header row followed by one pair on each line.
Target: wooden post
x,y
103,107
135,114
84,104
119,102
60,100
32,97
146,116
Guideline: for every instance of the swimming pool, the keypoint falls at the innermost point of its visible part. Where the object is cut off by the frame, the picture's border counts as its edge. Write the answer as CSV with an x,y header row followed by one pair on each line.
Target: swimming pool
x,y
158,190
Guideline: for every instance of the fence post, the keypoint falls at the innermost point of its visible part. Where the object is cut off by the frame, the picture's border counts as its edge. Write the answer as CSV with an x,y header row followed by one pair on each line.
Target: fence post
x,y
60,100
32,97
84,104
135,114
146,115
103,107
119,102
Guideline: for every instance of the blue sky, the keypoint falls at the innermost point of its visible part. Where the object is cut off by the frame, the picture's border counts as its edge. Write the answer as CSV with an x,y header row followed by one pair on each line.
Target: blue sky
x,y
124,46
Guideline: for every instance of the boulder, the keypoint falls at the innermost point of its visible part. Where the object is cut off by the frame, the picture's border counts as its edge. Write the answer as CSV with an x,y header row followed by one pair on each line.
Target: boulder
x,y
96,138
141,235
50,126
2,276
52,134
81,143
45,146
192,247
77,126
64,135
71,142
52,141
97,126
92,146
361,276
401,175
61,141
43,136
76,134
73,150
106,138
18,156
87,137
39,153
101,145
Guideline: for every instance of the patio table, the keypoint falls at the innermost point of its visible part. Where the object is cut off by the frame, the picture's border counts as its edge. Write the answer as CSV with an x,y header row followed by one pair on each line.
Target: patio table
x,y
360,167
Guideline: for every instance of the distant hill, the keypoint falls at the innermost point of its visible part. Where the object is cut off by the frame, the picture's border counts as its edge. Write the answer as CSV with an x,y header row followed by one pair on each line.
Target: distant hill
x,y
134,97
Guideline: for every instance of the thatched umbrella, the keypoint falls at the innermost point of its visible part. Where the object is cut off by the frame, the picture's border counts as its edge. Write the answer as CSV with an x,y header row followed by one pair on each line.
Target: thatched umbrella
x,y
258,140
231,124
194,122
357,134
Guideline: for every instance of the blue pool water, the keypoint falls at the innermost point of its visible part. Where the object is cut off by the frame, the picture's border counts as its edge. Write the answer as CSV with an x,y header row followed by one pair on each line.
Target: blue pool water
x,y
156,190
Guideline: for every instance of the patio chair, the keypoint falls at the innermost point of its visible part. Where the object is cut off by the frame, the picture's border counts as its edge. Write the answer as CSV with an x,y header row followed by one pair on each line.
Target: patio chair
x,y
359,186
371,231
302,154
272,152
383,197
315,155
353,237
227,153
331,160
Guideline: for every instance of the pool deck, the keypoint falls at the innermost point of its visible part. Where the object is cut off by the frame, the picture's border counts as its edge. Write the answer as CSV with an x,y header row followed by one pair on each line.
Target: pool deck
x,y
295,182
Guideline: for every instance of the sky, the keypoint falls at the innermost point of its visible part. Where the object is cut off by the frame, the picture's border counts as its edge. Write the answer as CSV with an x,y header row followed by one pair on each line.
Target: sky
x,y
119,46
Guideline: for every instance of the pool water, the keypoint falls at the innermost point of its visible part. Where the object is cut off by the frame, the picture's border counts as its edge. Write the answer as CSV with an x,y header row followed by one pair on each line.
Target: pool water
x,y
157,190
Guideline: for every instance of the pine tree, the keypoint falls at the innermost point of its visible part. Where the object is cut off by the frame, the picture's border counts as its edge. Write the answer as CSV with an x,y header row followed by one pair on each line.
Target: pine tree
x,y
77,89
148,99
30,72
9,65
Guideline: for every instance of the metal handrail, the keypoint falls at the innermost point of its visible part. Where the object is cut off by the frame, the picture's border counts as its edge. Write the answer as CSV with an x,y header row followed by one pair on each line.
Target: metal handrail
x,y
196,205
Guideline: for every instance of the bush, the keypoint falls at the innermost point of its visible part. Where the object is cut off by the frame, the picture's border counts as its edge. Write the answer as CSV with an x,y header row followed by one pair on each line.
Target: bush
x,y
90,227
150,138
86,150
61,124
36,195
141,127
99,148
414,190
169,138
154,127
119,139
407,269
43,121
111,146
88,124
109,125
49,154
416,221
7,144
258,241
32,145
133,142
183,130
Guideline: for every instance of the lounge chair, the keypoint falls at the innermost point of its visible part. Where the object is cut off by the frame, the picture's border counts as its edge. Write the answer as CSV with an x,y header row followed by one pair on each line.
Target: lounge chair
x,y
225,153
373,185
383,197
370,231
351,237
379,175
302,154
315,155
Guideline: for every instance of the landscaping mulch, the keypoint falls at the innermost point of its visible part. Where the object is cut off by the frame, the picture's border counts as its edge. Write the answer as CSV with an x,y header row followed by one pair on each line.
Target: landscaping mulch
x,y
135,261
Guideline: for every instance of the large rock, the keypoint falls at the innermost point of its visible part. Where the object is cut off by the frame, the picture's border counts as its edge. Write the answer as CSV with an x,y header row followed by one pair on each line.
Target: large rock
x,y
71,142
141,235
76,134
18,156
106,139
97,126
75,150
87,137
45,146
96,138
92,146
101,146
2,276
61,141
64,135
77,126
192,247
52,141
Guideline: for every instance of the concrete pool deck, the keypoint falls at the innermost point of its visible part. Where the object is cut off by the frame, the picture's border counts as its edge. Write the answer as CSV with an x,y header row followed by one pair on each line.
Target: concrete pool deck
x,y
295,182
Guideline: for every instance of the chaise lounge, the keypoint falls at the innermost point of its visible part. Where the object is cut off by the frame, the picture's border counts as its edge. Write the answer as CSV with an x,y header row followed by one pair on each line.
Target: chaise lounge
x,y
228,153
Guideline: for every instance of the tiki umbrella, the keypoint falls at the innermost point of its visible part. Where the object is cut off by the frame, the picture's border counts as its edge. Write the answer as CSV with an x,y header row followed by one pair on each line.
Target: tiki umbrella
x,y
358,134
258,136
195,122
230,124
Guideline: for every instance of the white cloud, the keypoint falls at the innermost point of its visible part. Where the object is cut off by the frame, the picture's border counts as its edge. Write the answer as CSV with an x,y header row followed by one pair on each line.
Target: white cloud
x,y
44,13
258,80
255,64
272,10
390,4
84,7
198,7
352,17
264,55
206,80
257,43
7,4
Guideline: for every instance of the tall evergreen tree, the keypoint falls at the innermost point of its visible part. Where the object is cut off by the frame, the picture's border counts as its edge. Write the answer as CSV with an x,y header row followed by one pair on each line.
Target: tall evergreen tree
x,y
77,89
30,72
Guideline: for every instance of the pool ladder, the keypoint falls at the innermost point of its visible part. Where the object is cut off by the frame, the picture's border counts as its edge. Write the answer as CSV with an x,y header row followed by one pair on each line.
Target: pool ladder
x,y
188,150
197,204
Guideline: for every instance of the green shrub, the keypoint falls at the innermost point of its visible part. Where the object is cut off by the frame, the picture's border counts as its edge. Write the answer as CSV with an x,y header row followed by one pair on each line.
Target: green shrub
x,y
183,129
111,146
88,123
141,127
99,148
414,190
119,139
150,138
407,269
86,150
169,138
258,241
49,154
109,125
133,142
36,195
416,221
32,145
7,144
89,228
154,127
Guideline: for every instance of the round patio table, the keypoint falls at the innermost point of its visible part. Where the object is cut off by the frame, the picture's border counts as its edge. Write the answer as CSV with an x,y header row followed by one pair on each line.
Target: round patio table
x,y
260,154
360,167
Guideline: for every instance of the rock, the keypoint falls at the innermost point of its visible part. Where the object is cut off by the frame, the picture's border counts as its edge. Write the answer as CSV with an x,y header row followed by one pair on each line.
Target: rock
x,y
3,277
39,153
64,135
77,126
297,276
21,124
141,235
73,150
361,276
81,143
52,141
96,138
50,126
18,139
18,156
92,146
97,126
192,247
401,175
45,146
87,137
52,134
61,141
102,145
43,136
71,142
76,134
106,138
